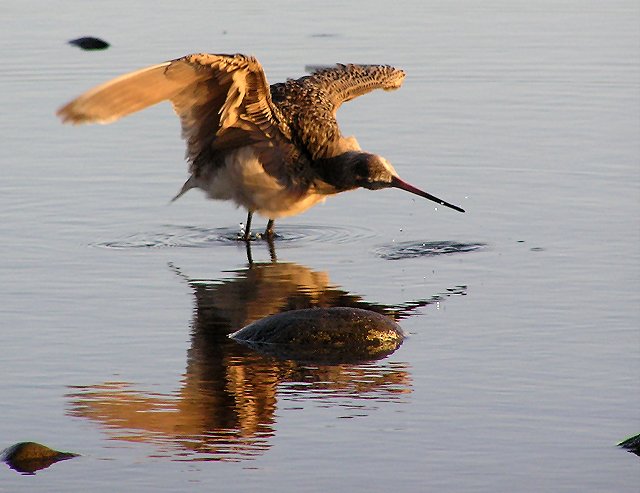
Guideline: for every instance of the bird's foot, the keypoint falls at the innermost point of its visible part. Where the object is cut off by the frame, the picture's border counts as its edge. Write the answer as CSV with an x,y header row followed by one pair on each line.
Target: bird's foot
x,y
269,231
264,236
247,238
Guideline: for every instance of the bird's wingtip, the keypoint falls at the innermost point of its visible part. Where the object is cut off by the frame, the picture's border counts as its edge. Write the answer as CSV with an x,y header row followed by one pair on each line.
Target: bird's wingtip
x,y
68,115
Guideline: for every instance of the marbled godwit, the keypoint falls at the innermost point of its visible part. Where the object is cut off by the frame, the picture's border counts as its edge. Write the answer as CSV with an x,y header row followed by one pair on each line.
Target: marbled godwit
x,y
275,150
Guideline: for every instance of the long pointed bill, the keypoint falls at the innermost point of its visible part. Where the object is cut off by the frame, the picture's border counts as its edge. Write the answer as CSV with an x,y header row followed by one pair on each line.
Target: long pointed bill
x,y
403,185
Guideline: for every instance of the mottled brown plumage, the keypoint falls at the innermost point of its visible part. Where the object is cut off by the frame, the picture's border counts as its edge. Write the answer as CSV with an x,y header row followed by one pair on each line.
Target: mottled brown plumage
x,y
276,150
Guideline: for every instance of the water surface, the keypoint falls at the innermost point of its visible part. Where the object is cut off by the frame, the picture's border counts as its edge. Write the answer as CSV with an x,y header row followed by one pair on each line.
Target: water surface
x,y
520,372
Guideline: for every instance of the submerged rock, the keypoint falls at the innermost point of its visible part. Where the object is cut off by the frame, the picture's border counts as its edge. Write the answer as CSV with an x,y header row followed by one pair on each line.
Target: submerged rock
x,y
29,457
324,335
632,444
90,43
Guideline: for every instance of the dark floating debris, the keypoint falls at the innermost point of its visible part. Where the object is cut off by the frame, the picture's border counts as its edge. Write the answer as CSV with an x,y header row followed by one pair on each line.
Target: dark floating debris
x,y
29,457
631,444
90,43
324,335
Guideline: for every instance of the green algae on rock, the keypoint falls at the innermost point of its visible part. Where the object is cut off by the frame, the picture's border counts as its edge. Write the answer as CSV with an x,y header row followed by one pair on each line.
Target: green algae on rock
x,y
29,457
631,444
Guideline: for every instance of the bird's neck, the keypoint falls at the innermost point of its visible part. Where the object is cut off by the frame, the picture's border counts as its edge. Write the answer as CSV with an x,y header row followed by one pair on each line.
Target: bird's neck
x,y
338,171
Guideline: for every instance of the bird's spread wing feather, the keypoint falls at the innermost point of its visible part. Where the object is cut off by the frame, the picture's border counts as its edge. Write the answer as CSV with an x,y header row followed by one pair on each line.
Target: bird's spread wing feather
x,y
345,82
121,96
311,103
222,100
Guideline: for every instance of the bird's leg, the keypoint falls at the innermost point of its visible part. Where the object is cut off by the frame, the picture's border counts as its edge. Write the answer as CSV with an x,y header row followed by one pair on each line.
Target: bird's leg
x,y
272,249
269,231
247,227
249,256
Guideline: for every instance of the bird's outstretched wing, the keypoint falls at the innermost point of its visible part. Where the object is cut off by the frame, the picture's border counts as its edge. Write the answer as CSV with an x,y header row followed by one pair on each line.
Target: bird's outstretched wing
x,y
311,102
222,100
343,83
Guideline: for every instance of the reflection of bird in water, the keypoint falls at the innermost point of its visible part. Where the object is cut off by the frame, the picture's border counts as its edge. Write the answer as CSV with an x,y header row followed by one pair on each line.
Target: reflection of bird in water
x,y
265,289
225,406
275,150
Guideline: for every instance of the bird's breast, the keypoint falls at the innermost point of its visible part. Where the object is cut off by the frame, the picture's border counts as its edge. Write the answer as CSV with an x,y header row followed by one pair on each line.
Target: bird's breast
x,y
242,179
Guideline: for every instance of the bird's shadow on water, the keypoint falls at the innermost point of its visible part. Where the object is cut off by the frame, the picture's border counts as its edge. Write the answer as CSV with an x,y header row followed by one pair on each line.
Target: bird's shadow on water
x,y
225,406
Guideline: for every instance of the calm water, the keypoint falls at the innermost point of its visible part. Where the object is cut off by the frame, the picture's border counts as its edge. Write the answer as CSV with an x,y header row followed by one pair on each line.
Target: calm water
x,y
521,369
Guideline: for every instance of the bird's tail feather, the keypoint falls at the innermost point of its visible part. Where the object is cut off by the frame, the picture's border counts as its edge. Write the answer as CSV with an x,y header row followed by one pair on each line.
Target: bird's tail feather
x,y
188,185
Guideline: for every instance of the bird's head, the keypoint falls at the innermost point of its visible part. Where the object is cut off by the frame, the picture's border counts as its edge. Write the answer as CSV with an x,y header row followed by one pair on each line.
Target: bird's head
x,y
371,171
375,172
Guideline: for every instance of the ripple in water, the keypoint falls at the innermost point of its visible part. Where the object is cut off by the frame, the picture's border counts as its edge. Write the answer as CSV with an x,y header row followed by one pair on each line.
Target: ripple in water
x,y
323,234
404,250
198,237
174,237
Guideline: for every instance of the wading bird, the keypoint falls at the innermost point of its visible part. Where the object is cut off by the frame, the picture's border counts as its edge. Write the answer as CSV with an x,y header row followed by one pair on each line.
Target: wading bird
x,y
275,150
